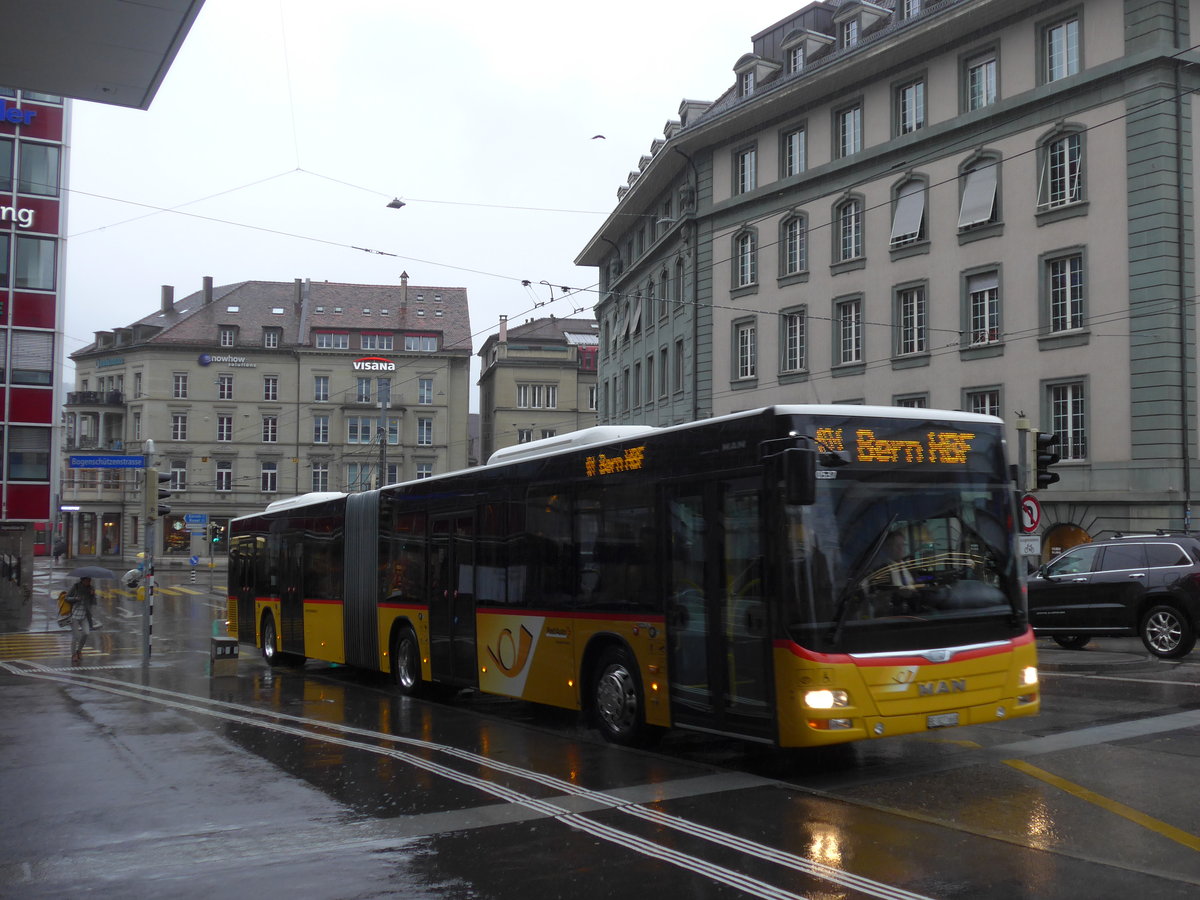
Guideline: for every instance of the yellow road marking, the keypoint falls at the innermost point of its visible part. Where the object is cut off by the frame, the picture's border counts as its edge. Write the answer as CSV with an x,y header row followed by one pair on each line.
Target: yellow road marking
x,y
189,590
1178,835
39,645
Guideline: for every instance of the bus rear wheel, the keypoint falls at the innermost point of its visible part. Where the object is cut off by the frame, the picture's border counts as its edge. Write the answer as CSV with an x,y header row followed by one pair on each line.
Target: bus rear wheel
x,y
618,704
406,663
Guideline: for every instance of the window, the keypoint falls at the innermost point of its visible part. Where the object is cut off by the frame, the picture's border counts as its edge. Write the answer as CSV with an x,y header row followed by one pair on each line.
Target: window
x,y
524,435
268,473
320,429
793,153
376,341
224,428
591,400
425,392
794,336
360,429
910,107
915,401
745,335
383,390
849,217
679,368
746,84
271,338
795,60
677,284
393,431
746,253
424,432
980,80
32,360
848,320
358,477
1060,49
321,388
908,223
984,402
911,314
224,387
746,170
179,426
1061,180
979,195
178,475
28,453
849,33
328,340
793,241
910,8
424,470
1068,418
228,336
420,343
537,396
270,387
548,433
39,170
320,476
137,426
362,390
6,166
849,130
35,266
270,429
224,473
137,384
983,309
1064,282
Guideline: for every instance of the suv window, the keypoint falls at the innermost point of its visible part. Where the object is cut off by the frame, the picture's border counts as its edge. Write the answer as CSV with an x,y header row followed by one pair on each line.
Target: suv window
x,y
1077,561
1167,555
1124,556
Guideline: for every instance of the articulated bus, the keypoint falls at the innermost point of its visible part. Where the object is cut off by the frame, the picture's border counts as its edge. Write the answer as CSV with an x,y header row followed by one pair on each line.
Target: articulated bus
x,y
797,575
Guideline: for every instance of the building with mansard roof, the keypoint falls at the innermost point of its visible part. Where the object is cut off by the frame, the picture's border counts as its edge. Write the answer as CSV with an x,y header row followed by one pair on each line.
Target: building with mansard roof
x,y
537,380
255,391
973,204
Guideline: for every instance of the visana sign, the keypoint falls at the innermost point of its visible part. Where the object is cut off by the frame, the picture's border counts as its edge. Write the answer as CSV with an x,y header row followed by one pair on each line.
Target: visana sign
x,y
374,364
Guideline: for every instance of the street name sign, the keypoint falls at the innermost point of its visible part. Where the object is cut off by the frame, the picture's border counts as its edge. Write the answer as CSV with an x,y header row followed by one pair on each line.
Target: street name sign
x,y
106,461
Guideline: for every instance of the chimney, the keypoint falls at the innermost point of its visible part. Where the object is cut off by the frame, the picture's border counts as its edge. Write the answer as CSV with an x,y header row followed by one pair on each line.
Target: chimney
x,y
404,285
504,329
208,297
298,296
168,298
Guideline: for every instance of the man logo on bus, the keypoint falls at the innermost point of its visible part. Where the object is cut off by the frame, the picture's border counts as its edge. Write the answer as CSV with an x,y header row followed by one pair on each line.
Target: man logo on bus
x,y
507,649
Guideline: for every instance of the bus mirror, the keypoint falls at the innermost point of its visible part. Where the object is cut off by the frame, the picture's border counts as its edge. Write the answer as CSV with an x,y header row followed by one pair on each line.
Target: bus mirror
x,y
800,476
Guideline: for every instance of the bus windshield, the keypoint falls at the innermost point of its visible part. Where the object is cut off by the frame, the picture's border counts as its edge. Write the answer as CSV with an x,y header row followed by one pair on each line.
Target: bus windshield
x,y
893,559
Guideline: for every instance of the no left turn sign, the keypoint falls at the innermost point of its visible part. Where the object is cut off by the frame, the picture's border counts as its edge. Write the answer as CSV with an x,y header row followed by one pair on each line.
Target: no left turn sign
x,y
1031,514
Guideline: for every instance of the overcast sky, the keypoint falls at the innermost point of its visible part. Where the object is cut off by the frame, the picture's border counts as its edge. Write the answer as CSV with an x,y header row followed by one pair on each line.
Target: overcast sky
x,y
284,127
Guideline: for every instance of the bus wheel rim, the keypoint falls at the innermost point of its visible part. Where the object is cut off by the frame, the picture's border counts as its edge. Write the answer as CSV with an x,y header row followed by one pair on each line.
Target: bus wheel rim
x,y
616,699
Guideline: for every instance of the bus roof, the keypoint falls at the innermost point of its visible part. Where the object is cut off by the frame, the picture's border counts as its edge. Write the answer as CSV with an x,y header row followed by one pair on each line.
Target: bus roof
x,y
585,437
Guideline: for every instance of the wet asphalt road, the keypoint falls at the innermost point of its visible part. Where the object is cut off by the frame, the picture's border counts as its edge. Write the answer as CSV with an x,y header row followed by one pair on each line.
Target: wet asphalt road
x,y
320,782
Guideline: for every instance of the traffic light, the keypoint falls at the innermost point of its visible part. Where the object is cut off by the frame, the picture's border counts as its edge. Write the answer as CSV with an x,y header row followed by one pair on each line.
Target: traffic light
x,y
153,494
1045,454
214,532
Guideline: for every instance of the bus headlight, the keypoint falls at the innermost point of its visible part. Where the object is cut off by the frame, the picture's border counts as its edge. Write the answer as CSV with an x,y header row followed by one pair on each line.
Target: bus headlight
x,y
826,699
1029,676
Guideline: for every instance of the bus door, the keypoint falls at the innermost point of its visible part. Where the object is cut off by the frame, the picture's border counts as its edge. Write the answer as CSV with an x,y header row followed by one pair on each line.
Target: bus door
x,y
718,639
452,597
291,595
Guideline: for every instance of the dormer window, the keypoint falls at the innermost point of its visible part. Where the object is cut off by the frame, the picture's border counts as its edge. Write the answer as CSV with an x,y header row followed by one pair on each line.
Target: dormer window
x,y
385,311
751,71
277,310
795,60
850,33
320,309
228,335
233,309
337,310
746,84
366,312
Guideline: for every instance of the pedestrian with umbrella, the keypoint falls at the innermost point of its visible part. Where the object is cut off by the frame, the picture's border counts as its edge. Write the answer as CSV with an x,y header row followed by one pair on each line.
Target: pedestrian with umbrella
x,y
82,599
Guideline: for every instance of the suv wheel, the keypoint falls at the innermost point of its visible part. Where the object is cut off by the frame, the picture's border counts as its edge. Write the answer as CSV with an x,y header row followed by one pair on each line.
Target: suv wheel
x,y
1072,641
1167,633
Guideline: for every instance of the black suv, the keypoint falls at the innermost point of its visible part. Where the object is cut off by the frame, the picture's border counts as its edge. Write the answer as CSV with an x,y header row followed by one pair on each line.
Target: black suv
x,y
1148,585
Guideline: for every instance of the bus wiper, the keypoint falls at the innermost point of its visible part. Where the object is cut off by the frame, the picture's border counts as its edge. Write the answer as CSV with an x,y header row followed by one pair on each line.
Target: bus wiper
x,y
843,604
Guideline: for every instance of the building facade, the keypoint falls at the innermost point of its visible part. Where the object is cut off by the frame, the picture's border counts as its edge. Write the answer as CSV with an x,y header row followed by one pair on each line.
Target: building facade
x,y
257,391
972,204
33,135
537,380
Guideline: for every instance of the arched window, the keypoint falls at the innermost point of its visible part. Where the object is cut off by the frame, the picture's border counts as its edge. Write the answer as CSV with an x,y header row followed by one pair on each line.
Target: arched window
x,y
793,245
745,258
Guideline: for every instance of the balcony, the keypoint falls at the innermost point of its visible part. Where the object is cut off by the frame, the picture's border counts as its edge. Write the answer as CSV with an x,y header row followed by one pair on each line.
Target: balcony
x,y
95,398
91,443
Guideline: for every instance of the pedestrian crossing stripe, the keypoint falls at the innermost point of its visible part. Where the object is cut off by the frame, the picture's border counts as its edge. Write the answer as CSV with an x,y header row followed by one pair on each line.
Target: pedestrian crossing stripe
x,y
40,645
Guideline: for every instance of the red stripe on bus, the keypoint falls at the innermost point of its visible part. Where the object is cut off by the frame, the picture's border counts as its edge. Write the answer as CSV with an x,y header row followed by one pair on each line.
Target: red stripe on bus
x,y
562,614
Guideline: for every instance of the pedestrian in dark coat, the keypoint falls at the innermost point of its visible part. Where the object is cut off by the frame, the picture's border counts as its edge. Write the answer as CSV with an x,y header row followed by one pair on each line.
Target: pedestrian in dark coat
x,y
82,598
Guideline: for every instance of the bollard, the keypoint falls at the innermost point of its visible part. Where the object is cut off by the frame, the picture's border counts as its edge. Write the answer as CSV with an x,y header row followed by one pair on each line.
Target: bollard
x,y
223,656
193,574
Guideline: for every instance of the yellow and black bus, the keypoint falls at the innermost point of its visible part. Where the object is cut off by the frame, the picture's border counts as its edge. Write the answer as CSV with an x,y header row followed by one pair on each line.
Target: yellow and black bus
x,y
798,575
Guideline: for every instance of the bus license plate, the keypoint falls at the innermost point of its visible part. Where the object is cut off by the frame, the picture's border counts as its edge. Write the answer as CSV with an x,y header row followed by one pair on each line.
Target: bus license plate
x,y
942,720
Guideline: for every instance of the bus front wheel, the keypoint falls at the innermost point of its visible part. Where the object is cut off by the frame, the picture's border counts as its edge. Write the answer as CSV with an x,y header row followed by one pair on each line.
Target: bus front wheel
x,y
617,699
406,663
270,643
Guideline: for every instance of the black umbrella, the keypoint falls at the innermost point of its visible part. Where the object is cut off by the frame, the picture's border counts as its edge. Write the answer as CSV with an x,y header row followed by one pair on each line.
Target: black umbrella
x,y
92,572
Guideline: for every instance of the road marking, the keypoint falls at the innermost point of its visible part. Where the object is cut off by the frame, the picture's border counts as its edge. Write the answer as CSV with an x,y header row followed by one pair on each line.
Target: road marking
x,y
1100,734
189,590
1191,841
1124,678
319,730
